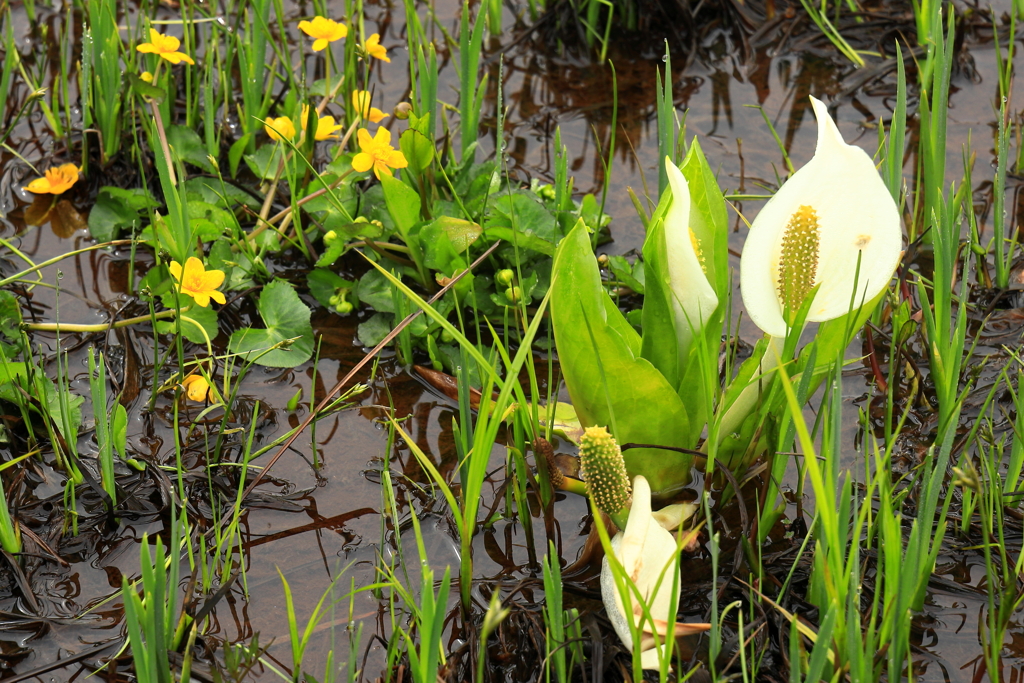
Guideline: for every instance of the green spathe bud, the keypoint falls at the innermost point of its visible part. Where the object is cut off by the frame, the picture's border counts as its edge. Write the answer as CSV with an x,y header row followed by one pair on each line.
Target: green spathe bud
x,y
504,277
604,469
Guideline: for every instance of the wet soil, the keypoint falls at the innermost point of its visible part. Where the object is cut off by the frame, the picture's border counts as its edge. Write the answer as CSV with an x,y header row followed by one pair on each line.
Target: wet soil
x,y
318,524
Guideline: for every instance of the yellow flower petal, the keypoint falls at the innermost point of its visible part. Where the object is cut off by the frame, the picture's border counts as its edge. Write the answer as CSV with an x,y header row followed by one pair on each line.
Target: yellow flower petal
x,y
164,46
197,282
362,162
280,128
378,150
38,186
325,128
324,30
56,180
375,49
212,279
196,388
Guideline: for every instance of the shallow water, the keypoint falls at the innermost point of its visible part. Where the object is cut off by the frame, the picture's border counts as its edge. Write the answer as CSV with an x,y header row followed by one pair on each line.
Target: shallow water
x,y
322,524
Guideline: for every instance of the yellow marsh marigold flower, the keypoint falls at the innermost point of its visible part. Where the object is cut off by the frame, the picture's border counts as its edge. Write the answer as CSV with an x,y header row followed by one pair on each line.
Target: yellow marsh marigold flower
x,y
197,282
280,128
373,48
361,103
57,180
325,126
164,46
377,153
324,30
197,388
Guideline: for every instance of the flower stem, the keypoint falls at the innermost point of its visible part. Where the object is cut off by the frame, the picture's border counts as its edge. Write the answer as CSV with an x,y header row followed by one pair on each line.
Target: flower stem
x,y
98,327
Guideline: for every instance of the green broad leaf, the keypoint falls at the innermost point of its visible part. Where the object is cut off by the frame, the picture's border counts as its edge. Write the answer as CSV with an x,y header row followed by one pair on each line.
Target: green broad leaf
x,y
522,211
11,371
373,331
187,147
622,270
147,90
530,242
418,150
438,252
660,343
565,423
264,161
221,194
17,384
198,324
590,212
374,290
403,204
323,284
237,266
461,233
208,222
10,316
286,317
609,383
117,210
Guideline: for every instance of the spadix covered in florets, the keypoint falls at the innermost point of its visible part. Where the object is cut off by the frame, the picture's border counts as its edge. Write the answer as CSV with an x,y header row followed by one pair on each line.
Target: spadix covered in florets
x,y
833,225
604,470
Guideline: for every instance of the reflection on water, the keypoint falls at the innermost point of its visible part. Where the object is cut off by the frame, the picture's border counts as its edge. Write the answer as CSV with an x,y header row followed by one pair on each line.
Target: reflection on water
x,y
313,525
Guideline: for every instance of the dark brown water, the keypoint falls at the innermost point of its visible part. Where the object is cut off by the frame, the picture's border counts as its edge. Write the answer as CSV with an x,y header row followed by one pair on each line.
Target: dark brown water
x,y
313,525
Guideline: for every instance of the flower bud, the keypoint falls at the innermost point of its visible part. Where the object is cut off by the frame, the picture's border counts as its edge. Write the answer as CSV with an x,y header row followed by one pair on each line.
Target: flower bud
x,y
402,110
514,294
504,277
329,237
343,307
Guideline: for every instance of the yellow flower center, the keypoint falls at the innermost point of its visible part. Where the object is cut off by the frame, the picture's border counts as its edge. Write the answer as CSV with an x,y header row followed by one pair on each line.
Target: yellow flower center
x,y
798,262
192,282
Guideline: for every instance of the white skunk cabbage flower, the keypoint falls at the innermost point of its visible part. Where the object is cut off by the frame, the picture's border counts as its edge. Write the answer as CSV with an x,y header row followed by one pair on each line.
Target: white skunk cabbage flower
x,y
694,299
648,554
811,233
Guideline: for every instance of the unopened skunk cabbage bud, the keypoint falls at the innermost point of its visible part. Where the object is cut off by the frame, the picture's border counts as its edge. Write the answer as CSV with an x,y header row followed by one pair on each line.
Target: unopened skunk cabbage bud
x,y
604,470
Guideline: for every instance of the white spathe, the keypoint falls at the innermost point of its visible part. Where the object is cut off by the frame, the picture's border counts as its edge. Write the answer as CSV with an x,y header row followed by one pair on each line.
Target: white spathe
x,y
693,297
648,554
856,216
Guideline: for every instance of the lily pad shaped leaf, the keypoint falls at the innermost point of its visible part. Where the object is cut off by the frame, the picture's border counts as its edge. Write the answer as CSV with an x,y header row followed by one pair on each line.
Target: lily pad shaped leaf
x,y
286,317
832,214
